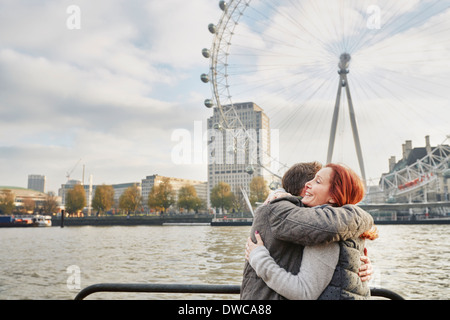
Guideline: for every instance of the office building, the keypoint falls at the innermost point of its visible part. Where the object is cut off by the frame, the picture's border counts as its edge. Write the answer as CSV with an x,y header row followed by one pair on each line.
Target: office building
x,y
234,158
36,182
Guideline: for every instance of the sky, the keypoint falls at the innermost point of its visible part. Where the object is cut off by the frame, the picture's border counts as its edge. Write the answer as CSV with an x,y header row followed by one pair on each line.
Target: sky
x,y
285,54
110,93
107,85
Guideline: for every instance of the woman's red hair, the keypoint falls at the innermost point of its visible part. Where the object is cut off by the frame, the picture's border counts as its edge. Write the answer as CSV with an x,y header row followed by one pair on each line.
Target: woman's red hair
x,y
346,187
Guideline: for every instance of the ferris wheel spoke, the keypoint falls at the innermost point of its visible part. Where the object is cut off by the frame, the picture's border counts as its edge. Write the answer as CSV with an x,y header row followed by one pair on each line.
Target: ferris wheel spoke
x,y
284,54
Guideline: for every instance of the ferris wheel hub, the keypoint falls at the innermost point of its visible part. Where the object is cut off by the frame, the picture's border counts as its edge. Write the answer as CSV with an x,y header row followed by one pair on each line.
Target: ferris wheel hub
x,y
344,62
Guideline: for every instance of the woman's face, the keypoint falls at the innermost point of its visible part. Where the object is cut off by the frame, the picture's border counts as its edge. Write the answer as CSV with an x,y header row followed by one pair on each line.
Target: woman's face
x,y
317,191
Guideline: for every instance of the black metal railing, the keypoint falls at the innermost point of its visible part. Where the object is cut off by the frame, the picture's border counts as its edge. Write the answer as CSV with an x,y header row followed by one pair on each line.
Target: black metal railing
x,y
193,288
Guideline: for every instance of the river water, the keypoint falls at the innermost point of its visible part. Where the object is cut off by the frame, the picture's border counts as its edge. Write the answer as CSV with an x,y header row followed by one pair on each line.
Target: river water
x,y
55,263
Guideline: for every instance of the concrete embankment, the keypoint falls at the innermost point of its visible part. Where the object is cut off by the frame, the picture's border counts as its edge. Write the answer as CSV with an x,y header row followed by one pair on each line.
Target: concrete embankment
x,y
131,220
191,220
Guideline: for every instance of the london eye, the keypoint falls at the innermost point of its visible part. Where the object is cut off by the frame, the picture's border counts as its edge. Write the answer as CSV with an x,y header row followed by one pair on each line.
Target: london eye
x,y
344,81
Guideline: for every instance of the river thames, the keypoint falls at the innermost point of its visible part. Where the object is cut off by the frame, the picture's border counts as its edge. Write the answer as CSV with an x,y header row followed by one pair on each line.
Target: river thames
x,y
55,263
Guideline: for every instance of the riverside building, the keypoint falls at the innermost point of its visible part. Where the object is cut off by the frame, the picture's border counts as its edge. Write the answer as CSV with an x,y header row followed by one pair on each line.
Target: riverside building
x,y
36,182
234,159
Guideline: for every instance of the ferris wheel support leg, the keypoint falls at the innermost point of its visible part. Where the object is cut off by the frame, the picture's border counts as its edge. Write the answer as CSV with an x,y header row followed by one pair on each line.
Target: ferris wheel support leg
x,y
355,131
334,123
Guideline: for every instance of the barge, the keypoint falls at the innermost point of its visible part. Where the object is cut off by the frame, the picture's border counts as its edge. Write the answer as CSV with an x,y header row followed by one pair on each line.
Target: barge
x,y
25,221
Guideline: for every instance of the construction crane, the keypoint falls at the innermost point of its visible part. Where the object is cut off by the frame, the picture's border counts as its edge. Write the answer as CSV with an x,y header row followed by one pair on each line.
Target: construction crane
x,y
68,173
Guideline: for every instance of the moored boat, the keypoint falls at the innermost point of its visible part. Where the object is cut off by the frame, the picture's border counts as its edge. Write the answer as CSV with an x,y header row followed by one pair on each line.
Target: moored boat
x,y
25,221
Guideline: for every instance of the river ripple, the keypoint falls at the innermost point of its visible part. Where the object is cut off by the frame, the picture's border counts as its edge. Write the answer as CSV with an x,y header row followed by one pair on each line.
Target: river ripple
x,y
411,260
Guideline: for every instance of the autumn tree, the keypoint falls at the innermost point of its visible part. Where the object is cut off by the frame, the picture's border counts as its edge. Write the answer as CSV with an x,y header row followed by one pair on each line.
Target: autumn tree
x,y
162,195
103,198
188,199
239,202
258,190
75,199
221,196
7,199
28,205
131,199
50,204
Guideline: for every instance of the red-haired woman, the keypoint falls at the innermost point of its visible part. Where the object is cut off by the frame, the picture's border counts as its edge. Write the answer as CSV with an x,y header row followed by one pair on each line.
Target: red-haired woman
x,y
328,271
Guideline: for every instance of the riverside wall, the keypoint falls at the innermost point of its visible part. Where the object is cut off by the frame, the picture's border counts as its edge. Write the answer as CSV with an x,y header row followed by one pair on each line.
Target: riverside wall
x,y
131,220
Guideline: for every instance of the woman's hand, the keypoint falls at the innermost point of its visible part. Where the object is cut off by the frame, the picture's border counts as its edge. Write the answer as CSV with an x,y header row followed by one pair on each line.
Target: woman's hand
x,y
366,270
276,195
250,246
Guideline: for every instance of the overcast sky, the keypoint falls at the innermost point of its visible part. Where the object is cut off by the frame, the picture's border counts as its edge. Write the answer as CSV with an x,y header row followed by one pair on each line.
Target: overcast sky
x,y
113,92
110,93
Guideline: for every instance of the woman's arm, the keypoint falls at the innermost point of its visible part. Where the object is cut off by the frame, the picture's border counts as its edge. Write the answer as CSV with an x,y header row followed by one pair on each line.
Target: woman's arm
x,y
316,270
310,226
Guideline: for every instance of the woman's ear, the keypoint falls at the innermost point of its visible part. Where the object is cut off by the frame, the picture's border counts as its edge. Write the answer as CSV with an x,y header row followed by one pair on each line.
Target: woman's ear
x,y
331,200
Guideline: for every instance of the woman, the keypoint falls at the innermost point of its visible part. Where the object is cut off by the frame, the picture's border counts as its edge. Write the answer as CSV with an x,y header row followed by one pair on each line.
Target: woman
x,y
330,269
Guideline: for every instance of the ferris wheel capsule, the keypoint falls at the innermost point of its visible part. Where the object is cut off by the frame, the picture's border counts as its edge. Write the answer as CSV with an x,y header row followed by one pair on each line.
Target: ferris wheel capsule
x,y
231,150
250,169
206,53
204,77
212,28
223,5
217,126
209,103
274,185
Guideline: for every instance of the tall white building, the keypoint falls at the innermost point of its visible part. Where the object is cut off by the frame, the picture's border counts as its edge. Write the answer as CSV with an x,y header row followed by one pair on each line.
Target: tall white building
x,y
231,156
36,182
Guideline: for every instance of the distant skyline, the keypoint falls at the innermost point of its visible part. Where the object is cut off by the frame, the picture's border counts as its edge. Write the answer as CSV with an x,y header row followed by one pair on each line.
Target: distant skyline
x,y
110,81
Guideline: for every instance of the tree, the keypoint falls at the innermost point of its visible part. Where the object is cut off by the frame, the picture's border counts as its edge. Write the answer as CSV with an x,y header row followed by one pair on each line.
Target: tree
x,y
221,196
131,199
7,199
50,204
28,205
75,199
258,190
103,198
188,199
239,202
162,195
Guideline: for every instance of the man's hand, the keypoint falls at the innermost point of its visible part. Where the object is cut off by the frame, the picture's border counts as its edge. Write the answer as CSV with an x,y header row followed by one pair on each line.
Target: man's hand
x,y
366,270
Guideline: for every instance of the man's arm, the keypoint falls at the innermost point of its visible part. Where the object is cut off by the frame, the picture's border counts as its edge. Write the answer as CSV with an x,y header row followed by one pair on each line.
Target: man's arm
x,y
310,226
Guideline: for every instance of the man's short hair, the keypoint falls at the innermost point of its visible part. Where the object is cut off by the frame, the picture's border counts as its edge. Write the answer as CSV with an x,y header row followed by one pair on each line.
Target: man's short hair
x,y
295,178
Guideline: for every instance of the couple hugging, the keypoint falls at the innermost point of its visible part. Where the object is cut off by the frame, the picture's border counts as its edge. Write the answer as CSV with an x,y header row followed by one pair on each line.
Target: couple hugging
x,y
307,241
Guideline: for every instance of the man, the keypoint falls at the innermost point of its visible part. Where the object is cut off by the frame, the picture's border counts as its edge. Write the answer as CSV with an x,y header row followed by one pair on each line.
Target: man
x,y
287,233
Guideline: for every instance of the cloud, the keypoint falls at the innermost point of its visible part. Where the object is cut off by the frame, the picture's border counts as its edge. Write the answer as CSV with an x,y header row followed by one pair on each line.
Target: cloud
x,y
110,93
